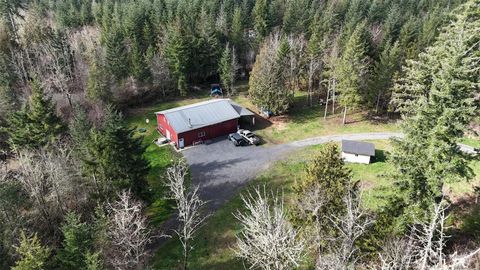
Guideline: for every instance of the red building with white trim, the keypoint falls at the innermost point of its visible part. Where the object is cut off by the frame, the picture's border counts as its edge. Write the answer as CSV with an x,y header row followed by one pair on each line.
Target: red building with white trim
x,y
196,123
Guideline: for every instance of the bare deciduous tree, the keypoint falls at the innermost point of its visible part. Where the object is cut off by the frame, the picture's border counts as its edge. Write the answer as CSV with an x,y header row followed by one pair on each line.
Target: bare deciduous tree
x,y
296,67
396,255
351,226
161,75
189,206
128,233
51,179
331,60
424,249
268,240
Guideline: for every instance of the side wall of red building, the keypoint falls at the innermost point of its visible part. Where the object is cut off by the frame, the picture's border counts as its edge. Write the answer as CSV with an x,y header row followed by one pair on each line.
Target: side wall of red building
x,y
163,126
200,134
209,132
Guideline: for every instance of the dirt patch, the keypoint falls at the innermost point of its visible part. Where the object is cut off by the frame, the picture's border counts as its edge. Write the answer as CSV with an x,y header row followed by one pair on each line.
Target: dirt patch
x,y
366,185
279,122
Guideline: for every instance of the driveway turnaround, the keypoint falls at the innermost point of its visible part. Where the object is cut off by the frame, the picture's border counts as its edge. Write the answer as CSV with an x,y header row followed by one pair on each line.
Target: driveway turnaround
x,y
220,169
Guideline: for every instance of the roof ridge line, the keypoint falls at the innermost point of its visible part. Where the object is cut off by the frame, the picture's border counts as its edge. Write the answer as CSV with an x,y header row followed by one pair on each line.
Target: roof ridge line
x,y
193,105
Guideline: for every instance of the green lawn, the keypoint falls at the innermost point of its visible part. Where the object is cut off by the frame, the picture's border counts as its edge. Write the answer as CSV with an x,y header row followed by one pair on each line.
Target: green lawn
x,y
302,121
474,142
214,242
159,158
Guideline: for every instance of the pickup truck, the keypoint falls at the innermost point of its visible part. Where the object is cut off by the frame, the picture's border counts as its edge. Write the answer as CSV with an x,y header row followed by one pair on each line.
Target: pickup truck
x,y
249,136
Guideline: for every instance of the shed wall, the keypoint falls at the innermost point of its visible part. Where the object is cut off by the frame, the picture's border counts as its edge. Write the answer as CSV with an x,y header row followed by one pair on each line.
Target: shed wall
x,y
347,157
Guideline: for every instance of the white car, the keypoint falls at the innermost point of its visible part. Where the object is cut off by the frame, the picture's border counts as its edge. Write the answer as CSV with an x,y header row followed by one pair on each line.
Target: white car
x,y
249,136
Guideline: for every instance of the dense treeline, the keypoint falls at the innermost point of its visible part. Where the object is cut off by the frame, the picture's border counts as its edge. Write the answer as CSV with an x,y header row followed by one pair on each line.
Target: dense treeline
x,y
79,172
110,50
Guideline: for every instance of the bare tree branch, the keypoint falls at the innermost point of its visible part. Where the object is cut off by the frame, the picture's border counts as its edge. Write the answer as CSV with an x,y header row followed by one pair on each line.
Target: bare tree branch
x,y
351,226
189,206
128,233
268,240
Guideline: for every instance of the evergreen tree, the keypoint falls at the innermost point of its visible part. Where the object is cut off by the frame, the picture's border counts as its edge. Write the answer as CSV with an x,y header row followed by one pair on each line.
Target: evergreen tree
x,y
36,124
86,15
177,55
76,243
33,256
446,79
116,56
98,83
268,81
237,29
139,69
114,157
351,71
93,261
226,69
383,72
206,51
80,126
260,18
327,178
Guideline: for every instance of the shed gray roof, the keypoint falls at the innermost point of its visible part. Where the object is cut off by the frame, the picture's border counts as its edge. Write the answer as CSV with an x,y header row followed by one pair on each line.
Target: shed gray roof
x,y
241,110
199,115
358,148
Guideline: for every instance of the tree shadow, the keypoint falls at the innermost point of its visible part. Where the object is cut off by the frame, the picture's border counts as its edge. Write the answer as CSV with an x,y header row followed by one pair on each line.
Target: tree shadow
x,y
465,232
380,155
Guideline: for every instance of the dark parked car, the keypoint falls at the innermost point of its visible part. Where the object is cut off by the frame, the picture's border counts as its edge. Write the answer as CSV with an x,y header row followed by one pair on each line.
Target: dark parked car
x,y
237,139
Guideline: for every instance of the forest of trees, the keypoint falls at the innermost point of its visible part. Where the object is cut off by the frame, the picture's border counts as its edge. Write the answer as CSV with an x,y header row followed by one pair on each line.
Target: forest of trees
x,y
75,197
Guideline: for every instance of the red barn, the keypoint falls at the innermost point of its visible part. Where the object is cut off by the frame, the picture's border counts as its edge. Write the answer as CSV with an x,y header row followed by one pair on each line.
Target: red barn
x,y
195,123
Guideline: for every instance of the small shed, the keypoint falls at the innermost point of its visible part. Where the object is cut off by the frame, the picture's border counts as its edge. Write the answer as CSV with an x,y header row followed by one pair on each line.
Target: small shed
x,y
358,152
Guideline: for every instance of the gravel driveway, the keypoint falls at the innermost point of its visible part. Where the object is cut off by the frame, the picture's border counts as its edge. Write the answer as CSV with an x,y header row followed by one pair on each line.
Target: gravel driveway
x,y
221,169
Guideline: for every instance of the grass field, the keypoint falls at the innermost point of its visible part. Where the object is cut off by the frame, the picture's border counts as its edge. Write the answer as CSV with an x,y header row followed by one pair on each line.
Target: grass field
x,y
159,158
474,142
302,121
214,242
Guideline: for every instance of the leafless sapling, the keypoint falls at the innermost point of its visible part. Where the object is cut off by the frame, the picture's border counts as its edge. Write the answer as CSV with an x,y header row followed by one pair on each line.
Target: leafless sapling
x,y
127,232
189,207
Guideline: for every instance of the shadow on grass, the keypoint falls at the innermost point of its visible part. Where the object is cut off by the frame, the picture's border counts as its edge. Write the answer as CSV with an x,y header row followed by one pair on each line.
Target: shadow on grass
x,y
380,156
466,213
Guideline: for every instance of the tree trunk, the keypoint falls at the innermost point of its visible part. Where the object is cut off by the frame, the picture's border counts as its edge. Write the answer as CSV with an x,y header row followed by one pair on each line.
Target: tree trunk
x,y
69,98
326,102
333,100
345,115
185,256
310,84
378,102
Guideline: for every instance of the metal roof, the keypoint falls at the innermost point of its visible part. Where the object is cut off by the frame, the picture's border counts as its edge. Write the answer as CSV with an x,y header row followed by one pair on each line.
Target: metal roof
x,y
199,115
241,110
358,148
